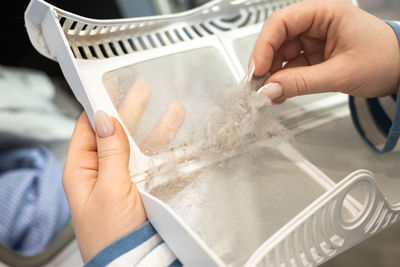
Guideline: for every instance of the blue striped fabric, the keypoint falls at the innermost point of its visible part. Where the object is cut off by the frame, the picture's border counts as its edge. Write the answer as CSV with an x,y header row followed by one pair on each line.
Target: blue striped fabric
x,y
386,127
175,263
123,245
380,117
152,249
129,244
33,207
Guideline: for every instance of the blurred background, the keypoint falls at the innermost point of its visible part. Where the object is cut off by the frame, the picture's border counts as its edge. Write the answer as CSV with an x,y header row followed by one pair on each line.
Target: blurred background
x,y
382,250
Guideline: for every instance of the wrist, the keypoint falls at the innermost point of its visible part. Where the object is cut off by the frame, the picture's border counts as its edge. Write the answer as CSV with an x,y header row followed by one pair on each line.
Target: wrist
x,y
102,225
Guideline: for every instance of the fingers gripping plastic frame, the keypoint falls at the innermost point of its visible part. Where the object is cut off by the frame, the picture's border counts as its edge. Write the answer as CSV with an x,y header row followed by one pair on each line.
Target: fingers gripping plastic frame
x,y
322,231
92,39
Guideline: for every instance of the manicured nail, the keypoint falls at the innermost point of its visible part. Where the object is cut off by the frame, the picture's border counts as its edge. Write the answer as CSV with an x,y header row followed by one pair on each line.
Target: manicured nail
x,y
251,65
104,124
250,71
271,90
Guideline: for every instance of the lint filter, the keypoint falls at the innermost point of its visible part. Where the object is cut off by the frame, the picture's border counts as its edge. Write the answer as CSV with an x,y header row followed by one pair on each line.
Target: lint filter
x,y
226,178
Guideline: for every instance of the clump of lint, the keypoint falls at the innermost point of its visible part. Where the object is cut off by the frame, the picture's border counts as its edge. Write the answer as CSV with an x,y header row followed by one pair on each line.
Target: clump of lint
x,y
244,118
237,121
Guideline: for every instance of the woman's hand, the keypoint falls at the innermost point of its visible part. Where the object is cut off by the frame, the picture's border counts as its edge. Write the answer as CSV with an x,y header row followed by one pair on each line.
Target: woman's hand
x,y
105,204
329,46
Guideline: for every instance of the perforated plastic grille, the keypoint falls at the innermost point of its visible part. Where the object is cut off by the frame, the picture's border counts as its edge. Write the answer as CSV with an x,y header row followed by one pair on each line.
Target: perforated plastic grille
x,y
99,41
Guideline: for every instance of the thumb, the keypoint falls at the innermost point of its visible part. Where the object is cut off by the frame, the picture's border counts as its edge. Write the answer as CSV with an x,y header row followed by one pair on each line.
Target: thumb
x,y
319,78
112,149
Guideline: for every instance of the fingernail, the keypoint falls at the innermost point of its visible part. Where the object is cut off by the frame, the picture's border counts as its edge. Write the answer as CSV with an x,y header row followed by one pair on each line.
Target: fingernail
x,y
252,65
103,124
271,90
250,71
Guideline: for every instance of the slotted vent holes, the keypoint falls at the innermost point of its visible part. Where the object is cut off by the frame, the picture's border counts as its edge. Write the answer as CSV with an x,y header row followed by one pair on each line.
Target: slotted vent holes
x,y
117,46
